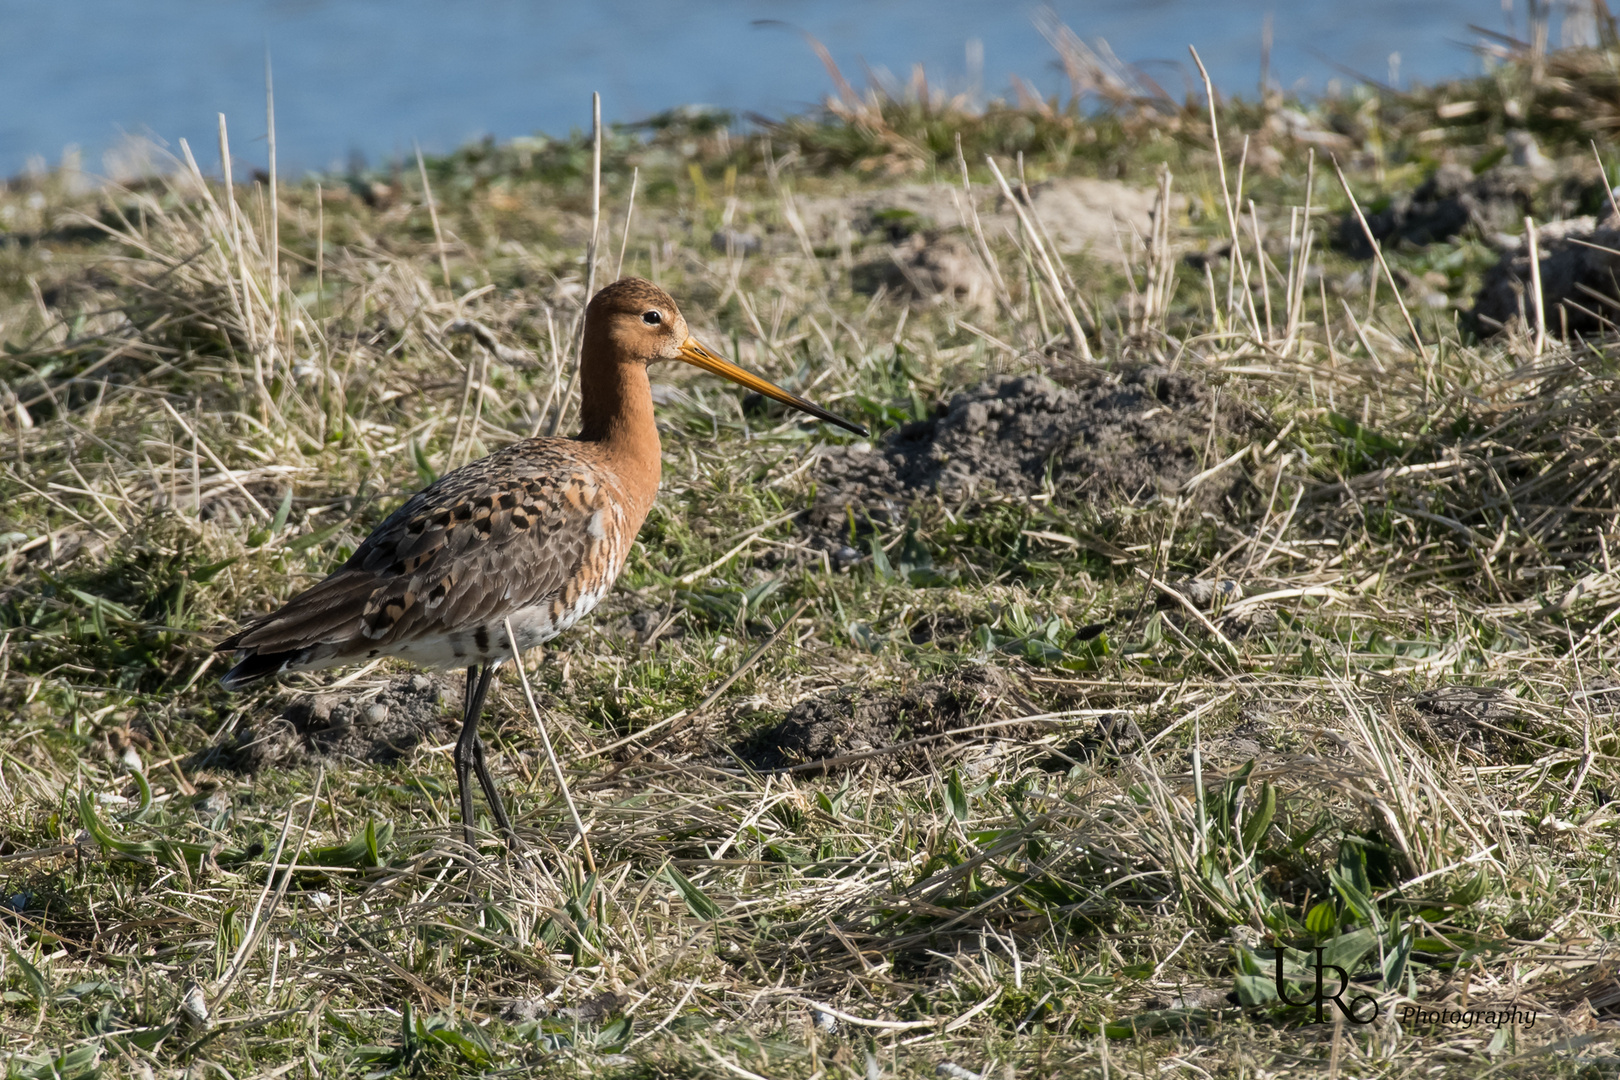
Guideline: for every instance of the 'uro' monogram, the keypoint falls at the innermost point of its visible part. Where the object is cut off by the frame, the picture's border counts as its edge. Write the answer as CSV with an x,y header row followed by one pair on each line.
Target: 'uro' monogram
x,y
1337,997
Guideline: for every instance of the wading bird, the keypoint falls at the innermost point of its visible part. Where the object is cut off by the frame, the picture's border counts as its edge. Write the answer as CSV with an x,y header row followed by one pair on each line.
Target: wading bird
x,y
534,533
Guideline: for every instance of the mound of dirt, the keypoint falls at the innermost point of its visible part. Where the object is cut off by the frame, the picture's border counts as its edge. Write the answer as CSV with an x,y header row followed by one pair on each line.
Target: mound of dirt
x,y
1080,214
1124,435
931,269
379,728
846,723
1580,292
1481,719
1450,201
1111,738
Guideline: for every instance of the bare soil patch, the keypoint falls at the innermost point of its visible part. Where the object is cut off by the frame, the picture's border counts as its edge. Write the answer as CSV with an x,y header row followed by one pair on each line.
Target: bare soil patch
x,y
850,728
929,268
1580,293
377,727
1081,214
1481,721
1129,435
1451,201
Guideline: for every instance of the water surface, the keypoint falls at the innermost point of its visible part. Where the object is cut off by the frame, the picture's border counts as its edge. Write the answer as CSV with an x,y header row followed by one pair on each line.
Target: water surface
x,y
367,77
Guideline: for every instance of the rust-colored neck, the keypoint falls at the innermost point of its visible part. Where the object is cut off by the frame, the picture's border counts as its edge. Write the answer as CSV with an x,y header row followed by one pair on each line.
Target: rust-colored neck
x,y
616,413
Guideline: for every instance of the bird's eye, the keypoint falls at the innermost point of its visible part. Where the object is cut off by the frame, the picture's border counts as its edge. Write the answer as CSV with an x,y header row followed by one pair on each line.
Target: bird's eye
x,y
652,318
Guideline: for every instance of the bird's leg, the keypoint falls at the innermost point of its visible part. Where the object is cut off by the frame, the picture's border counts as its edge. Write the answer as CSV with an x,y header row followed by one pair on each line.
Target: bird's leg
x,y
469,749
487,782
496,807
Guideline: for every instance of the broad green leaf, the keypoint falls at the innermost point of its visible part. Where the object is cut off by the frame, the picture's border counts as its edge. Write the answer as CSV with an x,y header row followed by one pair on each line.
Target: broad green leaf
x,y
1322,920
319,536
1368,441
880,559
362,850
955,797
615,1033
1356,900
282,511
100,604
1255,990
1395,960
1260,817
204,574
145,790
696,902
1473,891
165,850
1346,950
39,989
148,1038
424,468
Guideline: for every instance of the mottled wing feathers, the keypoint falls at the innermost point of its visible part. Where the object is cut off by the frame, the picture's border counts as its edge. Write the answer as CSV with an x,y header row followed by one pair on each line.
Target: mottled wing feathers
x,y
525,526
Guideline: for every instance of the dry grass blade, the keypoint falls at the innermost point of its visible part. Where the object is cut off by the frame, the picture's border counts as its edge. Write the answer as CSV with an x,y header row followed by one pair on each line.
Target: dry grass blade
x,y
1077,336
1538,304
433,216
551,757
257,928
1383,264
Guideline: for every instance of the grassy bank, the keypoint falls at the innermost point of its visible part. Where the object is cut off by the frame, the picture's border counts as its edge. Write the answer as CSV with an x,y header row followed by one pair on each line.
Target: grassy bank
x,y
1298,631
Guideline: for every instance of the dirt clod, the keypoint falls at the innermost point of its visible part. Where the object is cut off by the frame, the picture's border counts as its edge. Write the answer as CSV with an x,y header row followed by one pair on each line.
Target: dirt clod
x,y
1248,741
1111,739
928,269
848,722
1203,594
1127,435
593,1010
524,1010
213,804
1476,718
377,728
1579,288
1451,200
1080,214
729,241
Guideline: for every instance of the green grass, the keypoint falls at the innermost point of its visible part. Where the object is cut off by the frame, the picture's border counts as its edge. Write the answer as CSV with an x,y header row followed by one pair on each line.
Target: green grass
x,y
1439,512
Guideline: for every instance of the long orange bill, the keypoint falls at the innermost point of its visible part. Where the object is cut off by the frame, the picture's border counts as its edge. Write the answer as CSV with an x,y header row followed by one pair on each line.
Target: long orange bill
x,y
698,356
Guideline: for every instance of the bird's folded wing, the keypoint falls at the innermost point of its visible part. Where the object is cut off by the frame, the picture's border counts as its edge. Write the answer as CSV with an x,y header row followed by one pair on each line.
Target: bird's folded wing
x,y
468,550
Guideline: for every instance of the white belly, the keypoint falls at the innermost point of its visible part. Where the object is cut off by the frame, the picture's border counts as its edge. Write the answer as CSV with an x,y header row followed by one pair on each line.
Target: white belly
x,y
531,626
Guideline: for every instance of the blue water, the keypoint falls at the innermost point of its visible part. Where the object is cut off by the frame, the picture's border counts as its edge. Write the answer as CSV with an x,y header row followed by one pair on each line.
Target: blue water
x,y
368,77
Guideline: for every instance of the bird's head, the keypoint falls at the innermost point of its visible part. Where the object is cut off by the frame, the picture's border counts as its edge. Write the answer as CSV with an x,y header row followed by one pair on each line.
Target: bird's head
x,y
634,321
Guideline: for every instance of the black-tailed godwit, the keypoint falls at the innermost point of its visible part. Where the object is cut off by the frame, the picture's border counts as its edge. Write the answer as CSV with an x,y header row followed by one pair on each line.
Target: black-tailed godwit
x,y
534,533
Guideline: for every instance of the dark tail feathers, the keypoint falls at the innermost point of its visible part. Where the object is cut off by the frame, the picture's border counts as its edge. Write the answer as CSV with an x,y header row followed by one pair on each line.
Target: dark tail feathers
x,y
256,666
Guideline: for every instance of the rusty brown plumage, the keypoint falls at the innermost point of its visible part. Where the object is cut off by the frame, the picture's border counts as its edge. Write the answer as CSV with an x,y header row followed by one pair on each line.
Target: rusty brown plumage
x,y
531,536
509,536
